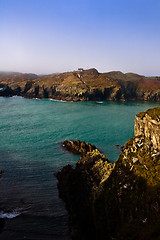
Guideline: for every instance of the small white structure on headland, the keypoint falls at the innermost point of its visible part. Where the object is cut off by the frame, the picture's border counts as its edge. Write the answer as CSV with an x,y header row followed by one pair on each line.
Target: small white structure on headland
x,y
80,69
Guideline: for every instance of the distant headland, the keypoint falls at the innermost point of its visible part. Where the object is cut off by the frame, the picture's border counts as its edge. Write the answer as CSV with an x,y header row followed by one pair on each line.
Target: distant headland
x,y
82,85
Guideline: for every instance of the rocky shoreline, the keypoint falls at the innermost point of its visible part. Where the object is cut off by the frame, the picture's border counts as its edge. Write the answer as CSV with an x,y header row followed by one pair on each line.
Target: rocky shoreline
x,y
115,201
86,85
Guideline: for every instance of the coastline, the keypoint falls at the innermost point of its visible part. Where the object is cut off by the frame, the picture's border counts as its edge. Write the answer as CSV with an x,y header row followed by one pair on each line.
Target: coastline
x,y
87,85
58,106
119,200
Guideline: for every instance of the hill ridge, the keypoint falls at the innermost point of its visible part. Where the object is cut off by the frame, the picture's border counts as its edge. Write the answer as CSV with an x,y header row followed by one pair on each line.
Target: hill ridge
x,y
83,85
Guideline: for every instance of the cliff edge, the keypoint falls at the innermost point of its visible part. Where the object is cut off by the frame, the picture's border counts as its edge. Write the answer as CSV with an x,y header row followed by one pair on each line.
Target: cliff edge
x,y
82,85
115,201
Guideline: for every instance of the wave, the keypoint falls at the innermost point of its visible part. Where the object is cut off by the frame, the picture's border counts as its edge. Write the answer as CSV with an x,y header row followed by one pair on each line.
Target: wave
x,y
9,215
36,98
55,100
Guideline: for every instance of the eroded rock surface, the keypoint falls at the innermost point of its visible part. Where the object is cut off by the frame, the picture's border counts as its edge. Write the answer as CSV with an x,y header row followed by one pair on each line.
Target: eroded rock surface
x,y
120,201
148,124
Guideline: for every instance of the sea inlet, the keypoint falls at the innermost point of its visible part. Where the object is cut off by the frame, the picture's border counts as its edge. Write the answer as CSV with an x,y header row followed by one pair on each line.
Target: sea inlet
x,y
31,132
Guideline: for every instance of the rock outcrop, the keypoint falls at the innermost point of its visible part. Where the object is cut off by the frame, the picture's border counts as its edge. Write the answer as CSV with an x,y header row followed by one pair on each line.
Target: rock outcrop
x,y
82,86
115,201
148,124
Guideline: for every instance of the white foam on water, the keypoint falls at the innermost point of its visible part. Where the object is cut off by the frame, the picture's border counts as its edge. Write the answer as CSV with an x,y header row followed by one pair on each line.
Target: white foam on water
x,y
99,102
37,98
55,100
9,215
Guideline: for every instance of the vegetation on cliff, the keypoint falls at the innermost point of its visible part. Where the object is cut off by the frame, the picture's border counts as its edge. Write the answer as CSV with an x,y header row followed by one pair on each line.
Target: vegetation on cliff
x,y
115,201
153,113
83,85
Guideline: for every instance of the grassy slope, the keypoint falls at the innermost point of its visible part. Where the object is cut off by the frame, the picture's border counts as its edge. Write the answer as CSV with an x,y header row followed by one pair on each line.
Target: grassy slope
x,y
78,83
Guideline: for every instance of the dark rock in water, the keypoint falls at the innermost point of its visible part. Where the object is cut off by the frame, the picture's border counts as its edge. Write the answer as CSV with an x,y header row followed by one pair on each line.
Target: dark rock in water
x,y
119,147
120,201
92,168
78,147
2,223
1,173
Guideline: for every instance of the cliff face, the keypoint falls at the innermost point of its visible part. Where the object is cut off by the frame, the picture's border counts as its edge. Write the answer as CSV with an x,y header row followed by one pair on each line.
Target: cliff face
x,y
120,201
83,85
148,125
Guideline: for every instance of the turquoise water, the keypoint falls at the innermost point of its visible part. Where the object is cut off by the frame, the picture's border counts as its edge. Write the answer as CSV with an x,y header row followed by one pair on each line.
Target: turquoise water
x,y
31,131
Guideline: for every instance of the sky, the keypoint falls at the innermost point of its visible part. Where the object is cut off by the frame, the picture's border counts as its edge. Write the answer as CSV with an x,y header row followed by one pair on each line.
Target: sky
x,y
48,36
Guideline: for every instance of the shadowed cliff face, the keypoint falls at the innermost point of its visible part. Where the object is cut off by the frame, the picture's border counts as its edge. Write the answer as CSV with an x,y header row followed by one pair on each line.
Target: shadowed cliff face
x,y
120,201
83,85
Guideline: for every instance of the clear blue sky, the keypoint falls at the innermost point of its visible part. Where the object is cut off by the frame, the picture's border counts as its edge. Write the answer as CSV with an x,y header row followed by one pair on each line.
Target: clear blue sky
x,y
46,36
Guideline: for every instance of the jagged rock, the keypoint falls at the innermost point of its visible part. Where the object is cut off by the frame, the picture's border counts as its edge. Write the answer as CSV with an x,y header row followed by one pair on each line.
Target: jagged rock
x,y
120,201
78,147
148,124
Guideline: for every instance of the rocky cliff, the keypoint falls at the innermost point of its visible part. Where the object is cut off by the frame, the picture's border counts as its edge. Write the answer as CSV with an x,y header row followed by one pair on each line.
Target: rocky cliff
x,y
148,124
116,201
82,85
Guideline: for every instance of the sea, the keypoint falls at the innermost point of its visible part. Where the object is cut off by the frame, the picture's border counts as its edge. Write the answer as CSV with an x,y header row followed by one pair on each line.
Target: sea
x,y
31,133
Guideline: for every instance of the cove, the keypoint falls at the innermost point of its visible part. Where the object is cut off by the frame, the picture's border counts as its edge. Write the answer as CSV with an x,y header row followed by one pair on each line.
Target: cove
x,y
31,131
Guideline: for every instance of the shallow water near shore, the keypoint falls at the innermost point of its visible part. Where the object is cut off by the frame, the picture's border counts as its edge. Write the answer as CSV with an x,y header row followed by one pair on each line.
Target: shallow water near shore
x,y
31,131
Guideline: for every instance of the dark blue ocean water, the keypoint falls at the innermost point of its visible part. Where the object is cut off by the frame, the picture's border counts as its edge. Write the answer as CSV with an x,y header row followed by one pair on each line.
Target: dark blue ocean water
x,y
30,153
